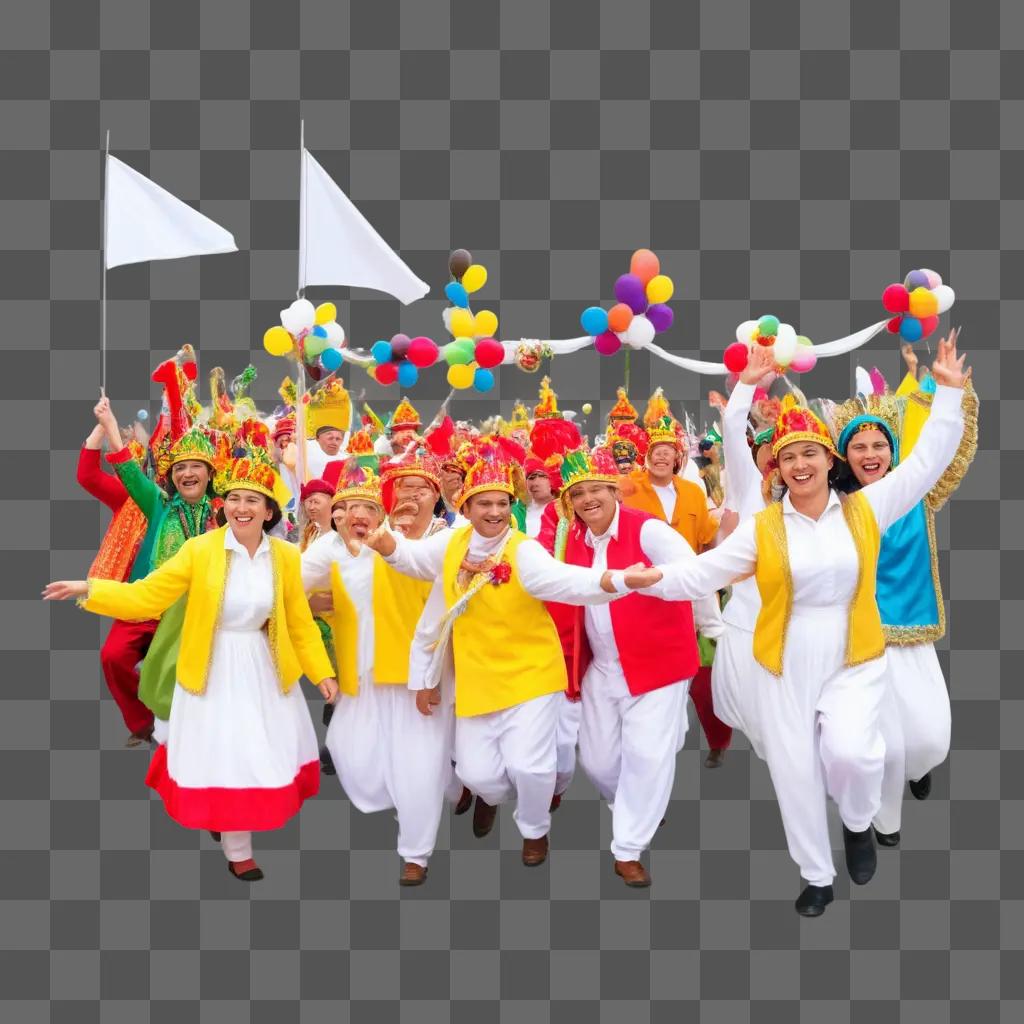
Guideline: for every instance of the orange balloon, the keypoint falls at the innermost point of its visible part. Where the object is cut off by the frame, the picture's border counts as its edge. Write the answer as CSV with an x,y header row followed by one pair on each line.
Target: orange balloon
x,y
644,265
620,316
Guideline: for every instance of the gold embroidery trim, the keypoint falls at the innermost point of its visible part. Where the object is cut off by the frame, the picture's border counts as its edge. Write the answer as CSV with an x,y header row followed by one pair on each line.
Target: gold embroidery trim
x,y
910,636
961,461
855,509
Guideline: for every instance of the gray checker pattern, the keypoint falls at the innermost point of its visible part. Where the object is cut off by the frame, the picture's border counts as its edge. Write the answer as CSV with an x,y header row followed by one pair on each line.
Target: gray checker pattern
x,y
781,157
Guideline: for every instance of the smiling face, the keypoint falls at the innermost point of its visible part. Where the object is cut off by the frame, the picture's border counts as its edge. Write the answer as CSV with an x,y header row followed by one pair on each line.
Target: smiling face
x,y
191,479
869,456
489,512
357,518
663,462
804,466
595,504
539,486
330,440
246,512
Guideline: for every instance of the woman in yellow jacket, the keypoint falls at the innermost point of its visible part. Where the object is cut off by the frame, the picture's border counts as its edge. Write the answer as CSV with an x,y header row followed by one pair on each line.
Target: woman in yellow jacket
x,y
241,754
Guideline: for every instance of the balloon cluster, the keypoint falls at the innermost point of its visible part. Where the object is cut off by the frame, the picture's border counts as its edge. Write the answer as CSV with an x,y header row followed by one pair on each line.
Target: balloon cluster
x,y
791,351
917,304
311,334
640,312
401,359
473,351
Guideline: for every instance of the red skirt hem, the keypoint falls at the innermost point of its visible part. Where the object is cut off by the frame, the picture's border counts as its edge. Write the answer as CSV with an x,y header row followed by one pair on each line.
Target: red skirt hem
x,y
221,809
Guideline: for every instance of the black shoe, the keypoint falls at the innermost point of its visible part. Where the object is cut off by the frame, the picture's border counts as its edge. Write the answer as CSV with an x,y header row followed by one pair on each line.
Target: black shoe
x,y
327,762
813,900
923,787
328,714
465,801
887,838
483,818
215,836
861,856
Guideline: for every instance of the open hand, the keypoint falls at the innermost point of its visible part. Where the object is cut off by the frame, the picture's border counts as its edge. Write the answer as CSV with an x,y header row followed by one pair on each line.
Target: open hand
x,y
759,363
329,689
948,368
63,590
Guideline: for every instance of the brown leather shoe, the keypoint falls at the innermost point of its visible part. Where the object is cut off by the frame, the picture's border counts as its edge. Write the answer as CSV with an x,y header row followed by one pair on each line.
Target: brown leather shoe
x,y
412,874
633,873
245,870
535,851
556,802
483,818
465,801
714,758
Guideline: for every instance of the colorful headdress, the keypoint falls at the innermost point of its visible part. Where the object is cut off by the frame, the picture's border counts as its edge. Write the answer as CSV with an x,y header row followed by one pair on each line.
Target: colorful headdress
x,y
193,445
284,426
869,412
489,467
360,445
796,423
582,466
520,417
419,463
328,408
657,409
550,467
553,436
316,486
623,410
138,451
621,448
548,404
405,417
665,431
358,483
252,471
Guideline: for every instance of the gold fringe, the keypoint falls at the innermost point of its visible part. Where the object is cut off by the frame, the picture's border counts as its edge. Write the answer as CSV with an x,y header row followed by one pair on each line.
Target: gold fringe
x,y
961,462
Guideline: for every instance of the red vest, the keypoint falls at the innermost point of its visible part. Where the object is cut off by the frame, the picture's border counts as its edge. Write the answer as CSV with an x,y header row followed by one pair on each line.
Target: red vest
x,y
656,640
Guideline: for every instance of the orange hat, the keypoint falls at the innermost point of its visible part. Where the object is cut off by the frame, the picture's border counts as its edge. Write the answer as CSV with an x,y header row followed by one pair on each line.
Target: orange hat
x,y
405,417
623,410
796,423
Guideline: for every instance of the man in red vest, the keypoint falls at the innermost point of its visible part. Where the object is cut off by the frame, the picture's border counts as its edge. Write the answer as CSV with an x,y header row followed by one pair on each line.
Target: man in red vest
x,y
631,661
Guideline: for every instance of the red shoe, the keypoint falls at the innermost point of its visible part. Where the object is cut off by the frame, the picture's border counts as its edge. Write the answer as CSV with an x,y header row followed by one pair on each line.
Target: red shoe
x,y
245,870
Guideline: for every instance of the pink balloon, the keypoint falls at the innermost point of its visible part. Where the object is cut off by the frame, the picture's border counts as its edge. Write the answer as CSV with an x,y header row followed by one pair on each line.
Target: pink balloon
x,y
607,344
804,360
422,352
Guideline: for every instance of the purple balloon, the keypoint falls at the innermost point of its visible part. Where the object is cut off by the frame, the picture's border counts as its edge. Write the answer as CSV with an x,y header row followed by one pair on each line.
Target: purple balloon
x,y
916,279
607,343
661,316
400,346
630,290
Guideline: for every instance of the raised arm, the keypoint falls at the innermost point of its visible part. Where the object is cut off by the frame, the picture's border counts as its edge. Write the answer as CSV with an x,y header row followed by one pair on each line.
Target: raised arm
x,y
547,579
421,559
102,486
744,480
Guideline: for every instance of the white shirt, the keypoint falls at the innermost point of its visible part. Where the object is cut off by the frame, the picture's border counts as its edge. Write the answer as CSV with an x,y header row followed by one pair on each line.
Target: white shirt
x,y
822,571
660,543
534,512
357,575
667,496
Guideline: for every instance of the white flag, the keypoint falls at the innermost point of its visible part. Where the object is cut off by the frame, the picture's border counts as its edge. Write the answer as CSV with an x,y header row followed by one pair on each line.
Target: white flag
x,y
145,222
338,245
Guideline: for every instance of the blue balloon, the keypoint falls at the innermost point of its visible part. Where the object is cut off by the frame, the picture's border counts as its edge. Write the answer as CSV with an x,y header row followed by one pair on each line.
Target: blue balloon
x,y
142,415
594,320
407,374
319,332
457,294
911,329
381,352
483,380
330,359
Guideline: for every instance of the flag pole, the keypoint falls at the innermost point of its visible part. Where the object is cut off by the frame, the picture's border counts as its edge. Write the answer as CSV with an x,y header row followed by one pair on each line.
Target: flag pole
x,y
300,391
103,273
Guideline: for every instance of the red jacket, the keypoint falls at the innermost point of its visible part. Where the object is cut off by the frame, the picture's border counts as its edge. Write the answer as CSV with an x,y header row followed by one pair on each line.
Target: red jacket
x,y
656,640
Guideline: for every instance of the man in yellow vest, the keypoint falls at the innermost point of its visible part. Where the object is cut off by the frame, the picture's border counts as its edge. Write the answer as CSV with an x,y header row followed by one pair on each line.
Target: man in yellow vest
x,y
508,666
386,753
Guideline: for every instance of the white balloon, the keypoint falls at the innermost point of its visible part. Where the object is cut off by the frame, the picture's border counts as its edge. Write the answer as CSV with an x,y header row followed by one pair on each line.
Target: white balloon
x,y
785,331
446,318
299,316
335,334
785,346
639,333
745,331
946,297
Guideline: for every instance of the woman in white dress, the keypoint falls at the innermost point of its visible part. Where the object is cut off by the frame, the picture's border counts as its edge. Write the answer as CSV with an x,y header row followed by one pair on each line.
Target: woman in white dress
x,y
818,642
241,753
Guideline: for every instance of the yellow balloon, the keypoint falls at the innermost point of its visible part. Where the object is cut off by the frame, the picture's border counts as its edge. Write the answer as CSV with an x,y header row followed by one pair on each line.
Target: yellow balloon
x,y
923,303
587,408
277,341
461,323
474,278
372,371
660,288
326,312
461,376
486,324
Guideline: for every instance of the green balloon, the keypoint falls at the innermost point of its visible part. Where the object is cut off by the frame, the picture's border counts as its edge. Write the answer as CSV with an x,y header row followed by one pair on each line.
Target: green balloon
x,y
456,354
768,326
314,345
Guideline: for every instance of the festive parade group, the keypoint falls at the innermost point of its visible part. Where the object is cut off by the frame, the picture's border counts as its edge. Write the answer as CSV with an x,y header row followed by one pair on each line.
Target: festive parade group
x,y
477,603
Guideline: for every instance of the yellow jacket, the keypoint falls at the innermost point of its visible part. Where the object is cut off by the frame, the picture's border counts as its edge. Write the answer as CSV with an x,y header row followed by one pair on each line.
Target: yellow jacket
x,y
200,569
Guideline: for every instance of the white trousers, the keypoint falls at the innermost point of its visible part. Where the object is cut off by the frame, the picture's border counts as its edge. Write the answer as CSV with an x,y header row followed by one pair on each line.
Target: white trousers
x,y
733,674
389,755
628,748
237,846
567,735
915,722
511,754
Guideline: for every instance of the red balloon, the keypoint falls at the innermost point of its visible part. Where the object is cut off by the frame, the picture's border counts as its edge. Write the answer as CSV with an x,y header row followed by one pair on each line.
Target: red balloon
x,y
387,373
896,299
489,352
928,325
422,352
893,326
736,357
607,343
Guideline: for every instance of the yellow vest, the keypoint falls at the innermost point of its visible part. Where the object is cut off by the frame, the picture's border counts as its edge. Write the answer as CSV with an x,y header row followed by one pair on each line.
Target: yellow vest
x,y
505,644
200,569
398,602
864,637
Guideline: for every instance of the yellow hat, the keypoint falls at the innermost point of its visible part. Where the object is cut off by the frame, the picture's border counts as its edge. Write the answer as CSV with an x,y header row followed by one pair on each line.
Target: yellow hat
x,y
328,408
406,417
548,404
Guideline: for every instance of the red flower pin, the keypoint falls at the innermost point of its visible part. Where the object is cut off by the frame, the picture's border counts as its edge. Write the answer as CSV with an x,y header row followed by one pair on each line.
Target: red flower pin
x,y
501,573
